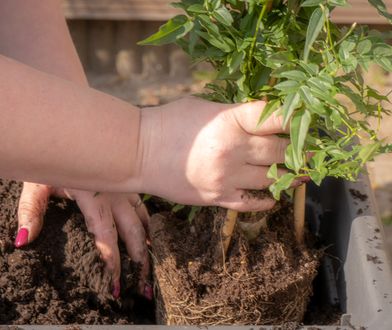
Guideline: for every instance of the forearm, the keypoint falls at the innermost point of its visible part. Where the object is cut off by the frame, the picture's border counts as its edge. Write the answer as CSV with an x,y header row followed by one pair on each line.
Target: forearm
x,y
57,132
35,33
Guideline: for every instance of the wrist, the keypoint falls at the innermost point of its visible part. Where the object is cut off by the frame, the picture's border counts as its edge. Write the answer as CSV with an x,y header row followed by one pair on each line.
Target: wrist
x,y
148,150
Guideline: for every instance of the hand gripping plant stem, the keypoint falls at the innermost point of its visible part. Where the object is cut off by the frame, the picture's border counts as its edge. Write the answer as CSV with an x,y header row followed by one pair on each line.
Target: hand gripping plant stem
x,y
230,222
313,61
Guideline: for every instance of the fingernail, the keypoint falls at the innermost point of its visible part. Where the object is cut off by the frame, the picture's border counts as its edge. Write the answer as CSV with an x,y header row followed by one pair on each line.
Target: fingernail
x,y
116,290
22,238
148,293
305,179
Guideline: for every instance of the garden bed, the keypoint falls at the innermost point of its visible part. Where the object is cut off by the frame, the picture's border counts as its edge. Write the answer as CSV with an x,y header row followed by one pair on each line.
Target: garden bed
x,y
46,283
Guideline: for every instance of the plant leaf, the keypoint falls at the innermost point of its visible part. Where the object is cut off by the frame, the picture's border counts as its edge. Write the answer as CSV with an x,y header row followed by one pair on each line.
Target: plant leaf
x,y
381,8
298,130
223,15
316,23
169,32
268,110
291,102
283,183
312,3
368,152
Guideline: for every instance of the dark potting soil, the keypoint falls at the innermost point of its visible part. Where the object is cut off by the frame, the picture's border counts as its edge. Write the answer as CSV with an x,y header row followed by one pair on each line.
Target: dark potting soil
x,y
60,278
265,281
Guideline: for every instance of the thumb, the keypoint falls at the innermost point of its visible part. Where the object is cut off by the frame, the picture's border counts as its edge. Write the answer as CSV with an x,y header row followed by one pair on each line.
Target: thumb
x,y
247,115
31,209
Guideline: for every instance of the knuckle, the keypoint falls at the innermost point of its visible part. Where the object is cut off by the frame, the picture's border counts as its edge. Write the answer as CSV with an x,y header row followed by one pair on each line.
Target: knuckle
x,y
28,208
277,120
282,146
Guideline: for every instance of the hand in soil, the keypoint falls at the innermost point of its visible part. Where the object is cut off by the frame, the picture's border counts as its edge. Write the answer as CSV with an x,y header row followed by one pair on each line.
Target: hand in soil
x,y
203,153
107,216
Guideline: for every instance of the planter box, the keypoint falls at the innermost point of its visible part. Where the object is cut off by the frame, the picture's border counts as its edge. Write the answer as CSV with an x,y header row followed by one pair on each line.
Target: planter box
x,y
356,272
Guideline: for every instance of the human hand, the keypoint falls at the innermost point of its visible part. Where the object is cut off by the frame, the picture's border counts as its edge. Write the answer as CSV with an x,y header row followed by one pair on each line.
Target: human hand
x,y
198,152
107,215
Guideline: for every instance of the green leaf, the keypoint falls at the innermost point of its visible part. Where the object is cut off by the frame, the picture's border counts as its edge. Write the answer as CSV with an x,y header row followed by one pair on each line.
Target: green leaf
x,y
223,16
196,8
381,8
283,183
171,31
370,92
315,26
312,3
289,160
268,111
385,63
273,172
234,60
317,159
293,75
177,208
368,152
223,44
319,175
194,210
311,102
311,68
298,131
338,3
364,46
288,86
291,102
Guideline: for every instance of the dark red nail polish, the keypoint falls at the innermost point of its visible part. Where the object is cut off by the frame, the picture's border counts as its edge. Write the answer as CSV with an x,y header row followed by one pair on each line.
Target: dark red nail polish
x,y
116,290
22,238
148,293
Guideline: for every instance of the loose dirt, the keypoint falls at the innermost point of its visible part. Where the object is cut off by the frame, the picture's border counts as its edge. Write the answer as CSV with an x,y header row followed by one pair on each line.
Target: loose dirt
x,y
60,278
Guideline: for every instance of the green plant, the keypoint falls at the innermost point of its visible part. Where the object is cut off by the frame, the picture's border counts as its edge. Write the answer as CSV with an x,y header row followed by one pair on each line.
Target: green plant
x,y
289,53
317,66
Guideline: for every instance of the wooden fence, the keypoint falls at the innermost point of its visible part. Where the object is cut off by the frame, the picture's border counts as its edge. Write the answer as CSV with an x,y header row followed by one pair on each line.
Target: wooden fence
x,y
106,31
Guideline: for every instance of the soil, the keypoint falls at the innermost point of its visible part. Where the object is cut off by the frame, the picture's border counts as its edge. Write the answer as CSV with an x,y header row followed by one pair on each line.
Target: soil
x,y
358,195
264,281
60,278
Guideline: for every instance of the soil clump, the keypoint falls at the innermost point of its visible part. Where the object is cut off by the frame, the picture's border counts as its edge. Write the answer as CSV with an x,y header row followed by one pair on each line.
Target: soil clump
x,y
265,281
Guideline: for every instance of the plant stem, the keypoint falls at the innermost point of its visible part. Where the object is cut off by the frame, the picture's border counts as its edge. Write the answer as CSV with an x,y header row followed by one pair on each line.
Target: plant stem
x,y
299,213
227,232
264,10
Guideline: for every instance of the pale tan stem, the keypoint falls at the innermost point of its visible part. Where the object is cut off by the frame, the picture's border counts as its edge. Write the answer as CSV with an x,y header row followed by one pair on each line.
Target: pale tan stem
x,y
299,213
227,230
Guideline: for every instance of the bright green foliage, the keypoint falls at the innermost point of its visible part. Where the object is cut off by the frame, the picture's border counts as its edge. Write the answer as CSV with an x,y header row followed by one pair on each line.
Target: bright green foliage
x,y
314,66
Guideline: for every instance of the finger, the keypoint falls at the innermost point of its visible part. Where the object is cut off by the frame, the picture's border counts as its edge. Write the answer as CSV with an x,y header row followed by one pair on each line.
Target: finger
x,y
243,201
255,178
99,221
31,209
140,209
132,233
248,114
267,150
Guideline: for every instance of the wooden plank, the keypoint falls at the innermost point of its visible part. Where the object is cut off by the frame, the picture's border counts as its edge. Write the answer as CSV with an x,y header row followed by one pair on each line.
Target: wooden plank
x,y
155,59
128,53
119,9
101,46
360,11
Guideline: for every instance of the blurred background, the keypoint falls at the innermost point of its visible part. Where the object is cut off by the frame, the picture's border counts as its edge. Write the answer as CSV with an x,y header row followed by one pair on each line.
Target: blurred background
x,y
105,33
